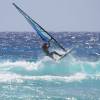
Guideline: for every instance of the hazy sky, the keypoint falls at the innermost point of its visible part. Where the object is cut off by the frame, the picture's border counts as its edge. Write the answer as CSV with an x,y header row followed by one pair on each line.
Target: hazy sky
x,y
53,15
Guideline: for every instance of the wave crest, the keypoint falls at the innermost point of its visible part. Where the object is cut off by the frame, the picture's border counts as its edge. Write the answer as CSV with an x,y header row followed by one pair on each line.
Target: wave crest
x,y
46,66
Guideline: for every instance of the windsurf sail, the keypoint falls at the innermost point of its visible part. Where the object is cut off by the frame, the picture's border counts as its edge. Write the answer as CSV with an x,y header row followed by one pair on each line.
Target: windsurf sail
x,y
40,31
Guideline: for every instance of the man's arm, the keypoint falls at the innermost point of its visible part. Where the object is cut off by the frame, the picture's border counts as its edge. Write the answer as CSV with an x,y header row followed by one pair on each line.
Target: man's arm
x,y
49,42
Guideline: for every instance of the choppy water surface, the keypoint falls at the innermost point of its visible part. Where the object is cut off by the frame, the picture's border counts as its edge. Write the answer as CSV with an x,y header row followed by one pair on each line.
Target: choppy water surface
x,y
27,74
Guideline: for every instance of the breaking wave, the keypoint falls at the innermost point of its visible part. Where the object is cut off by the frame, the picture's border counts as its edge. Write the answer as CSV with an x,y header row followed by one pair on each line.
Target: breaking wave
x,y
66,70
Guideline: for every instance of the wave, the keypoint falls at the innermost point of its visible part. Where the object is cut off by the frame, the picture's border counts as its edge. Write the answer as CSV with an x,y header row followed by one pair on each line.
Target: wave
x,y
11,77
67,70
47,66
78,77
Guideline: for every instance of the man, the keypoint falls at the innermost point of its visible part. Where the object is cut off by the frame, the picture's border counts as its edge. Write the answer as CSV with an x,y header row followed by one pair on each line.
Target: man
x,y
45,48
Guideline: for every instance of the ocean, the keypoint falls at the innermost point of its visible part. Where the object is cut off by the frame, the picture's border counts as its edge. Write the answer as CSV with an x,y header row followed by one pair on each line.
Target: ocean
x,y
26,73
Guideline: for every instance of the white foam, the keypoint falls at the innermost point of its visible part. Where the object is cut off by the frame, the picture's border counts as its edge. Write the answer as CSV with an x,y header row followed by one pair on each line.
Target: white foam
x,y
24,64
42,65
71,98
11,77
8,77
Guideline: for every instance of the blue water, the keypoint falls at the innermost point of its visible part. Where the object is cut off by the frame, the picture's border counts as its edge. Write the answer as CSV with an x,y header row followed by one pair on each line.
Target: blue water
x,y
27,74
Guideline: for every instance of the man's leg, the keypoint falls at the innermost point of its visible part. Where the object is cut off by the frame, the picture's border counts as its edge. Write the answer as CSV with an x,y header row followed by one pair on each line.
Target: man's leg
x,y
54,52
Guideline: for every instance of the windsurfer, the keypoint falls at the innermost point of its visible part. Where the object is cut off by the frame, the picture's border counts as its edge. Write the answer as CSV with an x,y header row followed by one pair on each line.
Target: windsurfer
x,y
45,48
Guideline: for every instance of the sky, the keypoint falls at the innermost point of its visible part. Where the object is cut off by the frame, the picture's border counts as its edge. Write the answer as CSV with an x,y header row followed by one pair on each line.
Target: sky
x,y
52,15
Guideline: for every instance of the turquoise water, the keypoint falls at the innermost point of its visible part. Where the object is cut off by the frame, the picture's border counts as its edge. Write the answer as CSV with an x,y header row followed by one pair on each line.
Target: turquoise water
x,y
69,79
27,74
